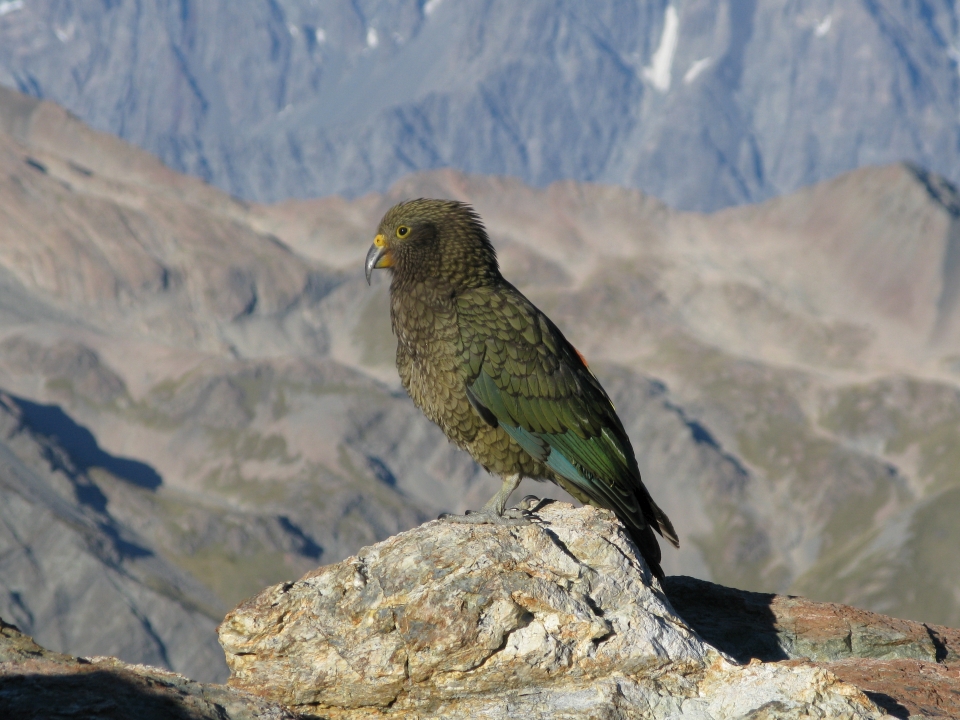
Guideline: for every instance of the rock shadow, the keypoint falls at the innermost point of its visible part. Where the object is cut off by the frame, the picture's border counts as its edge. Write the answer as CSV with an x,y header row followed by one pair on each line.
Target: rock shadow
x,y
889,704
96,693
739,623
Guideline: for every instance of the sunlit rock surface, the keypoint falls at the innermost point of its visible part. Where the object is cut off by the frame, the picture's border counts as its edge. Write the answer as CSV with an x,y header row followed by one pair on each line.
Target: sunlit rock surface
x,y
554,620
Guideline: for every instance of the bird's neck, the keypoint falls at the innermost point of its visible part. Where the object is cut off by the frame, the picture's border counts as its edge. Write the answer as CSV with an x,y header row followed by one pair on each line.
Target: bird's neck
x,y
422,312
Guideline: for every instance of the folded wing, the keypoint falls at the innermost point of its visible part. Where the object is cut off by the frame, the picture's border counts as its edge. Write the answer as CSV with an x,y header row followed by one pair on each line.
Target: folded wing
x,y
523,375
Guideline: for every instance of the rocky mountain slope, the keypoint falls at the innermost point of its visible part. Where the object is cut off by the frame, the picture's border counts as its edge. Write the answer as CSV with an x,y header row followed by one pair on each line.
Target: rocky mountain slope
x,y
701,104
215,378
115,285
77,577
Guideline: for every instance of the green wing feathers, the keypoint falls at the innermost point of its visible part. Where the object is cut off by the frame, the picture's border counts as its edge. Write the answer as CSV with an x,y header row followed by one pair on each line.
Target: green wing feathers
x,y
523,375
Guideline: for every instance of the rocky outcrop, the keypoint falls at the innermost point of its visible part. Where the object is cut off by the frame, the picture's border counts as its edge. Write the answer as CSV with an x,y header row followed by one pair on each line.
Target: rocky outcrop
x,y
38,683
910,669
558,619
762,626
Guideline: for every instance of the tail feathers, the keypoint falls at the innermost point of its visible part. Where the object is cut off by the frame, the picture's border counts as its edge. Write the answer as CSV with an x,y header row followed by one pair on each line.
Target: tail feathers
x,y
657,517
649,548
665,526
646,540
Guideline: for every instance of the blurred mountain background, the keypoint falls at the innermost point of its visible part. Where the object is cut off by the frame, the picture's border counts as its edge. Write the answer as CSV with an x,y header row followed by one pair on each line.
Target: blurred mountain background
x,y
197,390
700,103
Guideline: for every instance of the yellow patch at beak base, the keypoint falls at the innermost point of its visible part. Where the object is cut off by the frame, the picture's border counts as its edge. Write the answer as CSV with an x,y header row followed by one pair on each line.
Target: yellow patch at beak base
x,y
379,256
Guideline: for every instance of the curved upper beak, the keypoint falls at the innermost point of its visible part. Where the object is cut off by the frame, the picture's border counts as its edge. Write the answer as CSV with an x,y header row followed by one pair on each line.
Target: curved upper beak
x,y
378,256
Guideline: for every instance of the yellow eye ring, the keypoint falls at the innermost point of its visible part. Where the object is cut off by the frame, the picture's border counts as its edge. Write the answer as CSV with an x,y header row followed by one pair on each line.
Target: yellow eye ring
x,y
402,231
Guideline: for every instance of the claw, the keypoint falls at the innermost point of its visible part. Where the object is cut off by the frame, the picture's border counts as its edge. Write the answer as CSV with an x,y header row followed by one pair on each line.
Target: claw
x,y
529,502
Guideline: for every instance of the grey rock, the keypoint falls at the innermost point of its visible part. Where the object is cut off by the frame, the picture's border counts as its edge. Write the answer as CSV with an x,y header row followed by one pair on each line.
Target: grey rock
x,y
38,683
909,669
558,619
701,104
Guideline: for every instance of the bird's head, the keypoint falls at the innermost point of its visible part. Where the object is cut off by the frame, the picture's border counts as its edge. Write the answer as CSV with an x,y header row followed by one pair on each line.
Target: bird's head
x,y
434,240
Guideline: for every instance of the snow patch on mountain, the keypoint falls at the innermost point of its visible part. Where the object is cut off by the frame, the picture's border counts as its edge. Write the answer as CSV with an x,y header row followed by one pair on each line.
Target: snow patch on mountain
x,y
823,27
430,6
696,67
658,72
9,7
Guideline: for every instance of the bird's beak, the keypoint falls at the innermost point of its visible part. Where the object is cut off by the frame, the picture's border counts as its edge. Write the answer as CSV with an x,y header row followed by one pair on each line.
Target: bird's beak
x,y
378,256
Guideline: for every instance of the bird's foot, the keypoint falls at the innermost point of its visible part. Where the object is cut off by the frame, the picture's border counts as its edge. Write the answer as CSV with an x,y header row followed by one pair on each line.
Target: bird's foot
x,y
489,516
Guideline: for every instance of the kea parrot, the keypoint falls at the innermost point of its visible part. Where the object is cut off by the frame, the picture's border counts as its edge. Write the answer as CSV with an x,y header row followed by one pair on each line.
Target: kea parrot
x,y
482,362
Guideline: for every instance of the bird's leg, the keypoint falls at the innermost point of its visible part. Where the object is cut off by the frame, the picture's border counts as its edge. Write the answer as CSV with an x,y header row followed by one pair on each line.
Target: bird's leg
x,y
494,512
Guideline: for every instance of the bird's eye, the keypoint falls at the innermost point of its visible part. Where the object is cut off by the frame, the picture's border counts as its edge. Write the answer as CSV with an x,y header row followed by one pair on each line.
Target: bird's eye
x,y
402,231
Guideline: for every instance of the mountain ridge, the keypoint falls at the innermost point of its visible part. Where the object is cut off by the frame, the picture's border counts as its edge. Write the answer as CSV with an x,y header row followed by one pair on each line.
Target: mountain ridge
x,y
703,105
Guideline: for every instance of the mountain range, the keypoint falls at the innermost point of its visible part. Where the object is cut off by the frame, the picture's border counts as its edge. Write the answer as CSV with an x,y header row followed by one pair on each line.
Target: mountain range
x,y
701,103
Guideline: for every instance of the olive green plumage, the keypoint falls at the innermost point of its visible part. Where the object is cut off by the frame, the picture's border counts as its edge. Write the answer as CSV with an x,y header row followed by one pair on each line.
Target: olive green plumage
x,y
497,375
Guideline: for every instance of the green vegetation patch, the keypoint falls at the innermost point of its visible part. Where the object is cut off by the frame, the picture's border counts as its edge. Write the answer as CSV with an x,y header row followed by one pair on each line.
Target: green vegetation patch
x,y
738,552
234,578
245,444
900,415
